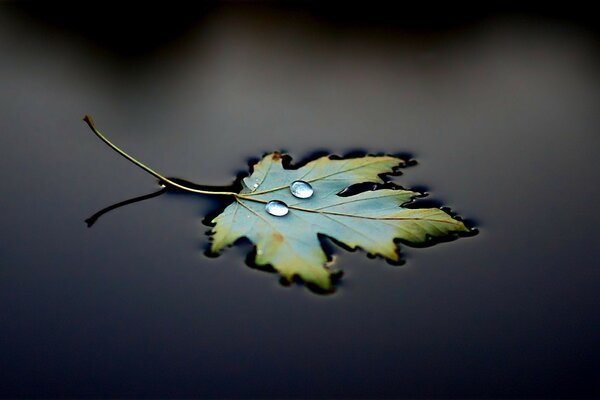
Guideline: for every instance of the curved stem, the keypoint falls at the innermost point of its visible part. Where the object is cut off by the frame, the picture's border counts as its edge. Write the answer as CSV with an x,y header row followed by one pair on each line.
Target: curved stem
x,y
149,170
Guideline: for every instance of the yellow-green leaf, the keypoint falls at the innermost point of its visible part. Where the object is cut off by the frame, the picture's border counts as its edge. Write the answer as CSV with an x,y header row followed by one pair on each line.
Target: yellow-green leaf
x,y
371,220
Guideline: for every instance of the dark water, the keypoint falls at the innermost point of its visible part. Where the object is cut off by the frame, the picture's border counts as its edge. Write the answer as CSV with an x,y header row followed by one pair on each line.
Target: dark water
x,y
502,115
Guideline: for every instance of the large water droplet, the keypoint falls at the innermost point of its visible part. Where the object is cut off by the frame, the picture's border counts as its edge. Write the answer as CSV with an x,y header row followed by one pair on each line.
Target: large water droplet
x,y
301,189
277,208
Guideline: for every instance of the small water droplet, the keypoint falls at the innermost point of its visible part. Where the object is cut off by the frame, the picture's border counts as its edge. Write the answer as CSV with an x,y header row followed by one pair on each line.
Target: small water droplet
x,y
255,185
277,208
301,189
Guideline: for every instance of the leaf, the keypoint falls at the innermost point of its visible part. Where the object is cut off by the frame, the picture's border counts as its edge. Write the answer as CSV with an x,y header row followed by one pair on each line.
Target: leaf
x,y
372,220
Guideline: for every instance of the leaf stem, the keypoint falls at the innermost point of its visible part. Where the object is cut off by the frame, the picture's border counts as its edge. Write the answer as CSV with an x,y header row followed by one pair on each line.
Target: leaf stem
x,y
149,170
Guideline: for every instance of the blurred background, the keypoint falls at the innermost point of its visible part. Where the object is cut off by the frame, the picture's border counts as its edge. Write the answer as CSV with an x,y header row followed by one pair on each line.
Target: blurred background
x,y
501,109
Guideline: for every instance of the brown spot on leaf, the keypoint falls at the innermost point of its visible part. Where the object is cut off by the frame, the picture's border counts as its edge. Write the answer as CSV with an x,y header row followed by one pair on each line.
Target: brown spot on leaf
x,y
277,237
276,156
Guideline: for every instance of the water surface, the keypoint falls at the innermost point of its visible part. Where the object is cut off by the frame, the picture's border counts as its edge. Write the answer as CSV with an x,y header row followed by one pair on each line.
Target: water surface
x,y
502,116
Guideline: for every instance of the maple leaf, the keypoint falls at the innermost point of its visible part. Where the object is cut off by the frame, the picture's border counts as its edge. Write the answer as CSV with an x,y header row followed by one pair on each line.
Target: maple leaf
x,y
285,226
372,220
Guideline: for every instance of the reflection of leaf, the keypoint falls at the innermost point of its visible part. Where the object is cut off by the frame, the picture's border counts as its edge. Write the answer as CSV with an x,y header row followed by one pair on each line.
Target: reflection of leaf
x,y
290,244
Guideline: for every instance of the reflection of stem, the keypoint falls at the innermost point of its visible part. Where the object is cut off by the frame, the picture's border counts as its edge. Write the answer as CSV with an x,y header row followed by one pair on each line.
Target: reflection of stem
x,y
149,170
92,220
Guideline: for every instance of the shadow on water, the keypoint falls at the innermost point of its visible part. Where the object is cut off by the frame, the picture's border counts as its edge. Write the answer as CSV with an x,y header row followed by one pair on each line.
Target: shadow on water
x,y
166,188
328,243
92,220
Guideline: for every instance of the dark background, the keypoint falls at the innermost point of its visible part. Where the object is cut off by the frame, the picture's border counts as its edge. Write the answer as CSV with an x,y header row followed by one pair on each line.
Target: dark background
x,y
501,110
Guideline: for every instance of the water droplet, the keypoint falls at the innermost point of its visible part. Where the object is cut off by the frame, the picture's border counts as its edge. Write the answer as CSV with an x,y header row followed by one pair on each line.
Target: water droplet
x,y
301,189
277,208
255,185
